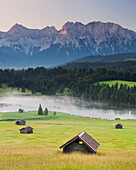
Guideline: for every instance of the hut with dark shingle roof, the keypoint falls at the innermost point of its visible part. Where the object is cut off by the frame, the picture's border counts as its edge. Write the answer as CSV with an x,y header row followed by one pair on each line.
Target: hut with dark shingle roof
x,y
27,129
81,143
119,126
21,122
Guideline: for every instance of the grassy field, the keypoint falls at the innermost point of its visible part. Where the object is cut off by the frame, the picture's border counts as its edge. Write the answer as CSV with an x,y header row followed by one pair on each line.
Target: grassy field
x,y
64,93
40,150
14,90
113,82
5,90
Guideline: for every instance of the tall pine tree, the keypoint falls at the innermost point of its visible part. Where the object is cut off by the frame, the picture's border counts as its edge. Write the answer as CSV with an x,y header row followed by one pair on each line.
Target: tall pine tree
x,y
40,110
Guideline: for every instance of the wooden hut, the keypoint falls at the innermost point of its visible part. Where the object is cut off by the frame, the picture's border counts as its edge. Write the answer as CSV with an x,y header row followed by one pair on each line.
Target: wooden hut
x,y
81,143
119,126
27,129
21,122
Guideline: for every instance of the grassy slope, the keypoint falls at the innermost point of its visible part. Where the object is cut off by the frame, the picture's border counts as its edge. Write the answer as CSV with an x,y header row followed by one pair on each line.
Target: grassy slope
x,y
113,82
40,150
14,91
64,93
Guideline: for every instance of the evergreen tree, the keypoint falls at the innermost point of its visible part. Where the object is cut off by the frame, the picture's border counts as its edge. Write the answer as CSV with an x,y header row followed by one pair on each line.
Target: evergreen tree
x,y
23,89
40,110
54,113
46,112
103,95
132,100
20,110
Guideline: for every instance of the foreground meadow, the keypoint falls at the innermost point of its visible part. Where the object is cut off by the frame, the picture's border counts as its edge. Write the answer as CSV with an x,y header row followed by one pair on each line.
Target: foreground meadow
x,y
40,150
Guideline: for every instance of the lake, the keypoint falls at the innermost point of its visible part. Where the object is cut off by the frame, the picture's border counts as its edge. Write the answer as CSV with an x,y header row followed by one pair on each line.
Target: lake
x,y
71,105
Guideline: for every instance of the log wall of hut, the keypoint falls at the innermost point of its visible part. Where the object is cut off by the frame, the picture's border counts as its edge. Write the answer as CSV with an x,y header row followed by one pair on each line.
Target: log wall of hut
x,y
18,123
118,126
23,131
77,146
26,131
21,122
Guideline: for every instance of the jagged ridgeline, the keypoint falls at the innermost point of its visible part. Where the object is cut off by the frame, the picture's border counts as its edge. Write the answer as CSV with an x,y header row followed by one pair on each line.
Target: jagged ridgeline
x,y
23,47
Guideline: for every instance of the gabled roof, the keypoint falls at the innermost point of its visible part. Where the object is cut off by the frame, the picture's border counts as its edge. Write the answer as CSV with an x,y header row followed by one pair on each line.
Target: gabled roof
x,y
22,121
28,127
87,140
119,124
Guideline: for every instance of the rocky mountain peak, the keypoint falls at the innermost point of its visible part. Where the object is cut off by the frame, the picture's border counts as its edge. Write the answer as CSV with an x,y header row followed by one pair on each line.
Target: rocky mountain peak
x,y
68,26
49,30
17,28
74,40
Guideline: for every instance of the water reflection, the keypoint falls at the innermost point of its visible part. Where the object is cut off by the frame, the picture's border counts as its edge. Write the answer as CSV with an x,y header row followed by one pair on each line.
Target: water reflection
x,y
67,104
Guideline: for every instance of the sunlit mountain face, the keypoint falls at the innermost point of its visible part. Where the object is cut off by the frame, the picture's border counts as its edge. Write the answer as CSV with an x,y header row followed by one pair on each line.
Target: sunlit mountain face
x,y
23,47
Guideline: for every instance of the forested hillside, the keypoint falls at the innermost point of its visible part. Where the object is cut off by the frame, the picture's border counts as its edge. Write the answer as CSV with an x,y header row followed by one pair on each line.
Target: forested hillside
x,y
108,58
80,83
129,65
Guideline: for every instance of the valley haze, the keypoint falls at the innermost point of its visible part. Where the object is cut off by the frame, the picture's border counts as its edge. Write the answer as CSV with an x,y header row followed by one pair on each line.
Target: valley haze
x,y
21,47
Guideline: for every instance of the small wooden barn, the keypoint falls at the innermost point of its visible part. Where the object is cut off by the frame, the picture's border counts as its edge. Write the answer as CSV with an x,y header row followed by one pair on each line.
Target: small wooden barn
x,y
27,129
21,122
81,143
119,126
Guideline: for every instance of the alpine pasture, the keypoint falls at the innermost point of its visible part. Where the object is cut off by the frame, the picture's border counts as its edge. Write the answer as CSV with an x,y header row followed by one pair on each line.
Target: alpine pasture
x,y
40,150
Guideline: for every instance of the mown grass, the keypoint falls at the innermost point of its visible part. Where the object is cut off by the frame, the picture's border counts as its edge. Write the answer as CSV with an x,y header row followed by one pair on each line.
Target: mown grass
x,y
65,92
33,115
14,90
40,150
113,82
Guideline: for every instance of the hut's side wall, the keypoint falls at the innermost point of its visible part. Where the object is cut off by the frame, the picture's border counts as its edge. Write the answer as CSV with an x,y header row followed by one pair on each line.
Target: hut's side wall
x,y
18,123
118,127
76,147
26,131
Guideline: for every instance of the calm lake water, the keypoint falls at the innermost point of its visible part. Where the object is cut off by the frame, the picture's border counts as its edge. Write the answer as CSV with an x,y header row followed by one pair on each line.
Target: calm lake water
x,y
67,104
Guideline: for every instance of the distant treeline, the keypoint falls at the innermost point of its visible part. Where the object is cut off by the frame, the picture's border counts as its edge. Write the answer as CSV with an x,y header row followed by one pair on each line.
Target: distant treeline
x,y
124,66
80,82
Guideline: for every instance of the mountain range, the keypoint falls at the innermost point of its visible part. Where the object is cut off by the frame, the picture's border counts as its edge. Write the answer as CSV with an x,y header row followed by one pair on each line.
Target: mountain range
x,y
24,47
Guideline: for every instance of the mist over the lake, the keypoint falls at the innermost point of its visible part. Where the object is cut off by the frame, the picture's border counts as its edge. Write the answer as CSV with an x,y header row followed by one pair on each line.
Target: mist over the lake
x,y
72,105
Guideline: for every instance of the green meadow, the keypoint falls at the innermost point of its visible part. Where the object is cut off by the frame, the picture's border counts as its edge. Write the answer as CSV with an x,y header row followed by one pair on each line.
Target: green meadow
x,y
15,90
113,82
40,150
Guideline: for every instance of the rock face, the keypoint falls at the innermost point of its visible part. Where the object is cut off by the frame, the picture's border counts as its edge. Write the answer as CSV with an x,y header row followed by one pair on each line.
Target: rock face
x,y
48,47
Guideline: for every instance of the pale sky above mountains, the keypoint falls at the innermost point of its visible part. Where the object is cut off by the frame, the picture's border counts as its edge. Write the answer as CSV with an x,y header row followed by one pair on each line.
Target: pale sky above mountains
x,y
42,13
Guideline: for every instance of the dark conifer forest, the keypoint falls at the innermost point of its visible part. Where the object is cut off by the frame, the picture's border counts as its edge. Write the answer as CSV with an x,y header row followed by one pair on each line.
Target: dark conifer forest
x,y
80,83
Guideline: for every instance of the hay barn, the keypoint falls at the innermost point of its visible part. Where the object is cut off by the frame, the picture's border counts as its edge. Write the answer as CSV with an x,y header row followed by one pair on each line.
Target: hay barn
x,y
21,122
119,126
81,143
27,129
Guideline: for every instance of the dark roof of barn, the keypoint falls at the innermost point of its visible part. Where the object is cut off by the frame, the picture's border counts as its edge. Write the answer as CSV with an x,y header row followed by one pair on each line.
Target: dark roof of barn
x,y
119,124
28,128
87,139
22,121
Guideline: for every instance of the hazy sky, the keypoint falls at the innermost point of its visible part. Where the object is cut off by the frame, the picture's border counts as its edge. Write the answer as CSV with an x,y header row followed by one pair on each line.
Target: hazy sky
x,y
41,13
